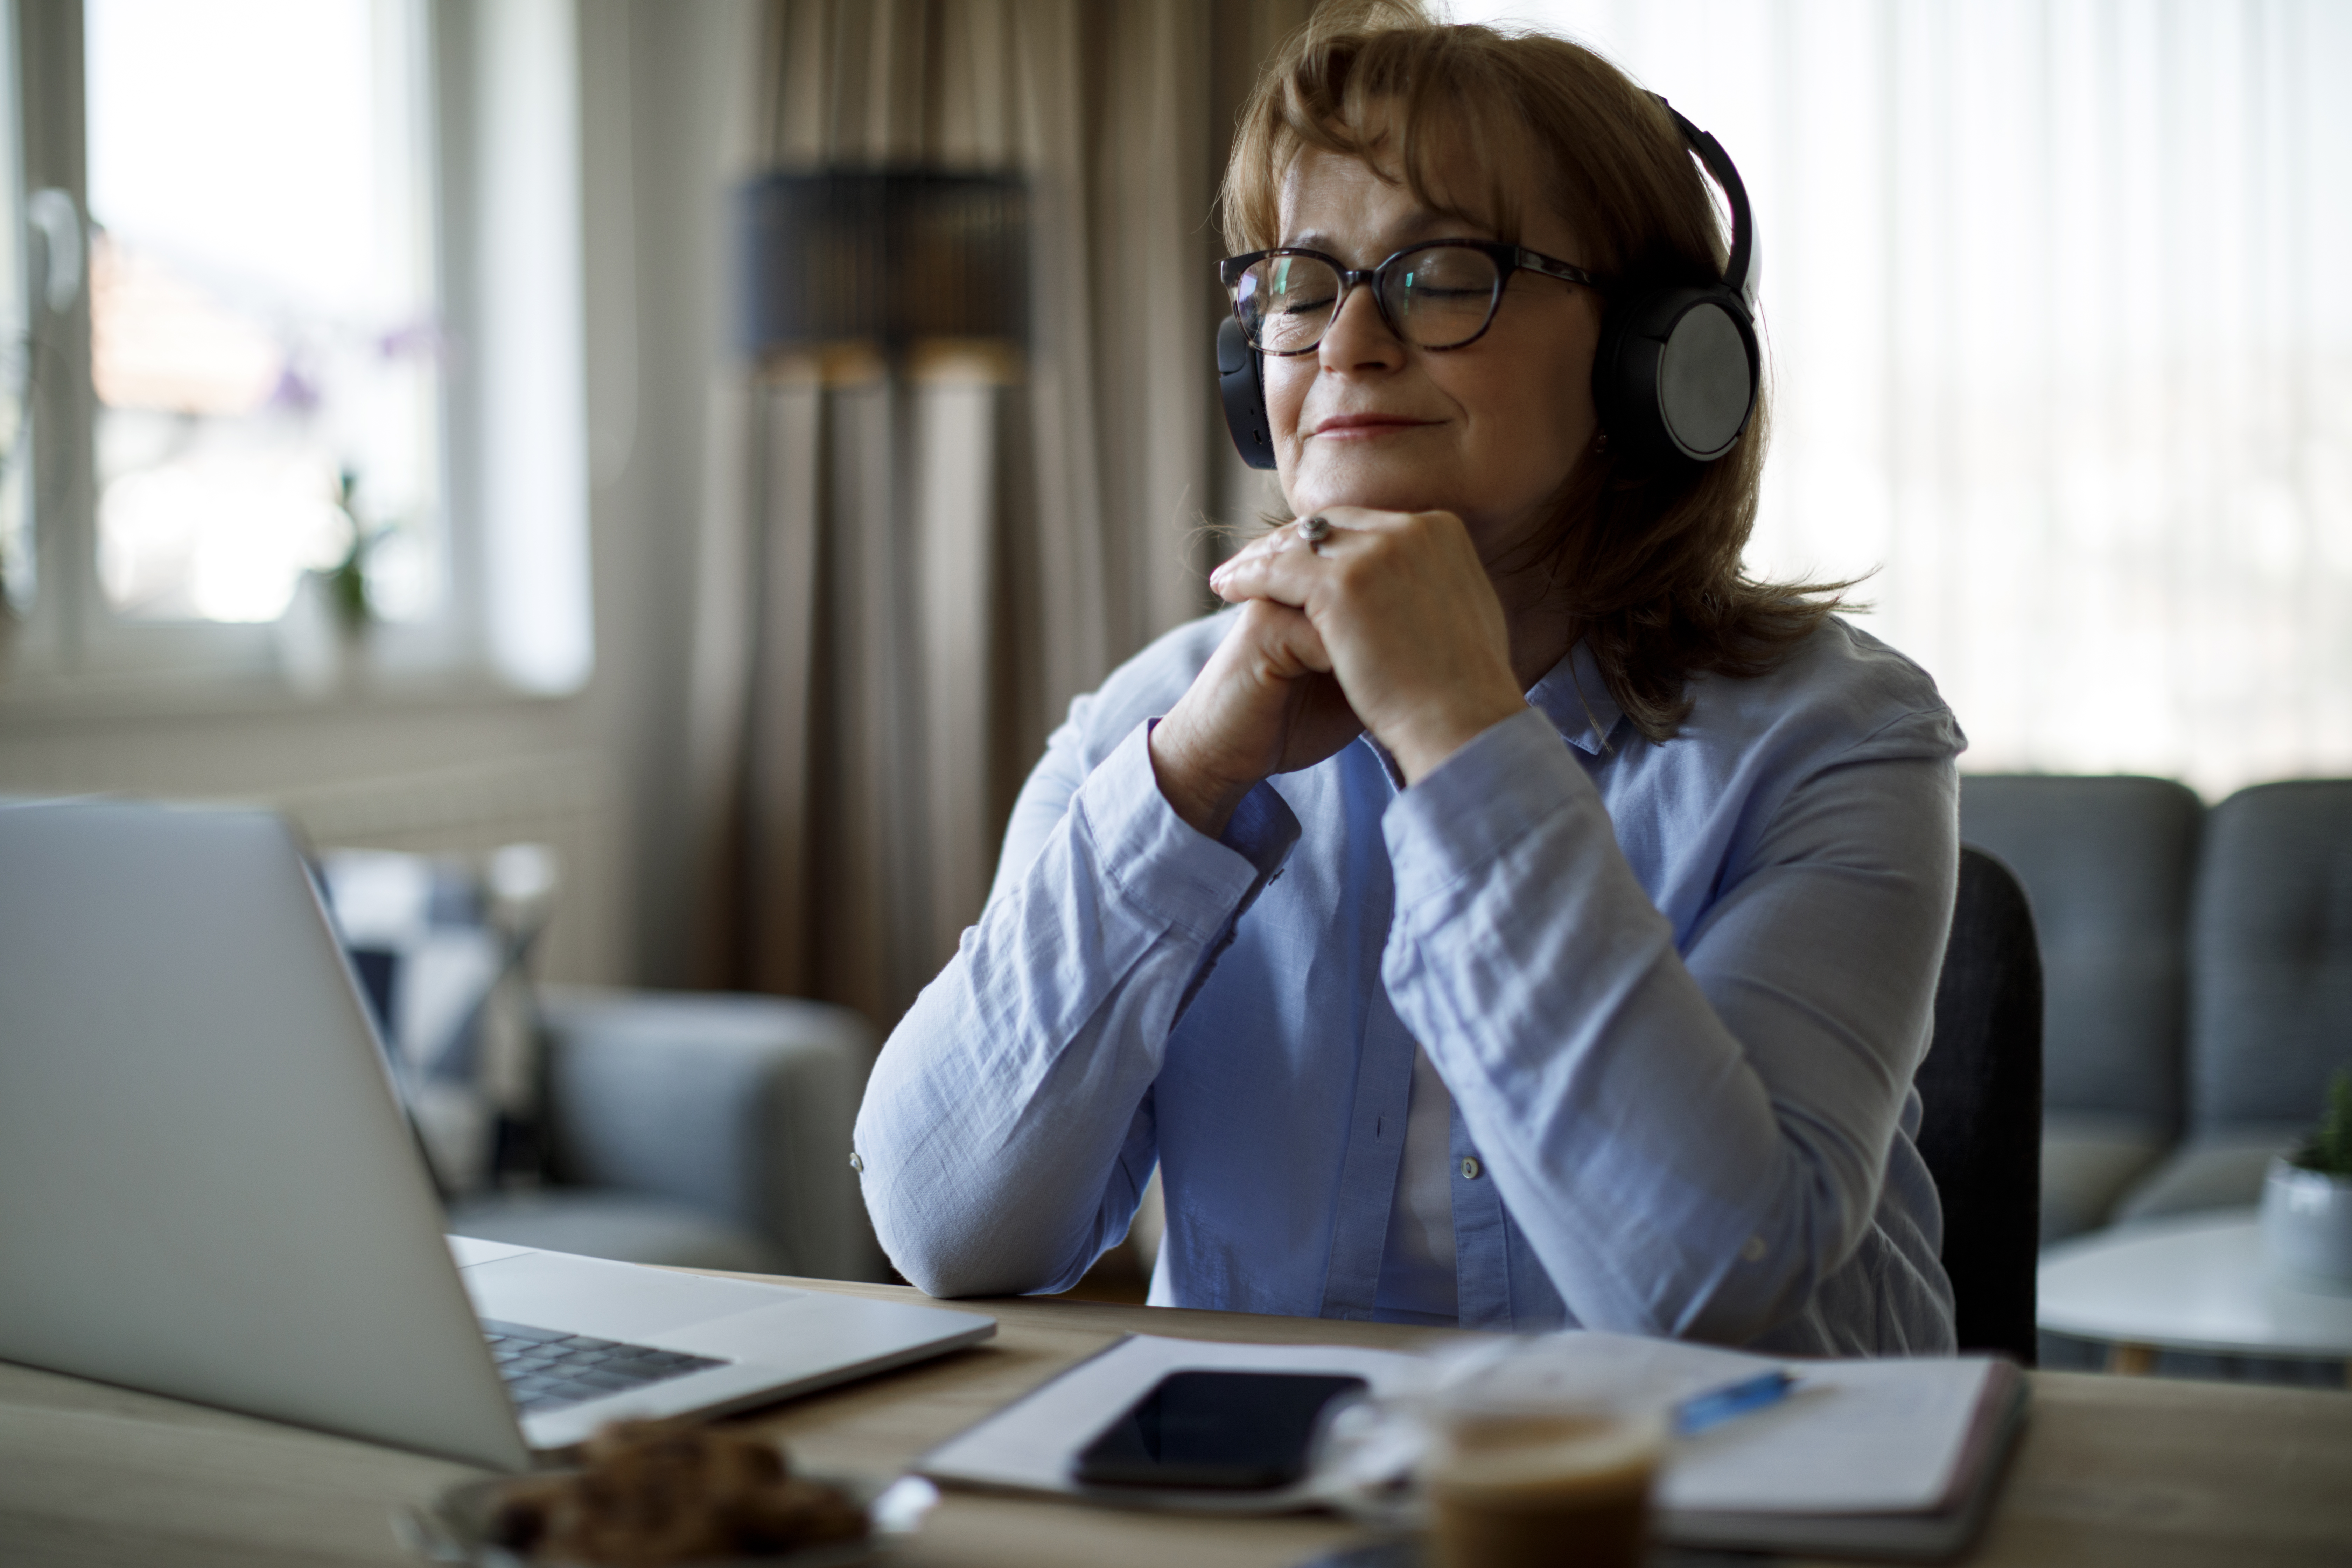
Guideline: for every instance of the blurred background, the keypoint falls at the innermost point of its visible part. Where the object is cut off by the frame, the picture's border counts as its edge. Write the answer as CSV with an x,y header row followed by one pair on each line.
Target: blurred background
x,y
714,442
2057,355
412,443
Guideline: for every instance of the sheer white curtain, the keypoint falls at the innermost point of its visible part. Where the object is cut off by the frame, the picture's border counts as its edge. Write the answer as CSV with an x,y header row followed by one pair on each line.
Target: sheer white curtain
x,y
2053,290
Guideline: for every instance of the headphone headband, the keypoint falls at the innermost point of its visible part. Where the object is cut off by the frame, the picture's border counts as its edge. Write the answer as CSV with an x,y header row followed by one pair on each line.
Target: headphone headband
x,y
1737,272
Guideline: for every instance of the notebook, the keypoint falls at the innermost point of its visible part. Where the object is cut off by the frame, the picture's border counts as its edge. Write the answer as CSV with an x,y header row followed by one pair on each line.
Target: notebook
x,y
1895,1458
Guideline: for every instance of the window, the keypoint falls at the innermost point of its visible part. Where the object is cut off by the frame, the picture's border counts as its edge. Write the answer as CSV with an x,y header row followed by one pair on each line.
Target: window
x,y
322,388
18,562
265,328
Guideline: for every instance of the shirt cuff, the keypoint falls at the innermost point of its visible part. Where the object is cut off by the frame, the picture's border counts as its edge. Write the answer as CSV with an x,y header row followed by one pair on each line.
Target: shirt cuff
x,y
1159,862
1474,806
1262,830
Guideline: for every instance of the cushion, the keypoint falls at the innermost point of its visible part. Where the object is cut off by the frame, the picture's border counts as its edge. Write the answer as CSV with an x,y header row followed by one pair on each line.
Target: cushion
x,y
2088,1162
427,961
2271,954
2107,864
2218,1170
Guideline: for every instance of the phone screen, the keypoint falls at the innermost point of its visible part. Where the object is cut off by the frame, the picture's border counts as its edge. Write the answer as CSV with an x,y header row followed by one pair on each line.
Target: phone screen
x,y
1241,1431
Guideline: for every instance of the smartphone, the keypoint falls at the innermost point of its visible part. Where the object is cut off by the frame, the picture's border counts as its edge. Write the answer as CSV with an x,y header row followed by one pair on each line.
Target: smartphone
x,y
1233,1431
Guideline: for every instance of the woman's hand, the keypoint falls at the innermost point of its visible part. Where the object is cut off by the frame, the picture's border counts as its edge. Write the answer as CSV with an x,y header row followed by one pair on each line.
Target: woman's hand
x,y
1265,703
1400,611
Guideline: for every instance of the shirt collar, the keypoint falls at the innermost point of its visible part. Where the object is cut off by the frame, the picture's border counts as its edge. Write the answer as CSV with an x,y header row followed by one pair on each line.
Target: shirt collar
x,y
1574,697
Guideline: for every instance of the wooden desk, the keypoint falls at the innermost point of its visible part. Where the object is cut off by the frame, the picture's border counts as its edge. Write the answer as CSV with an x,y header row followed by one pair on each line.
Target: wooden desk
x,y
2112,1470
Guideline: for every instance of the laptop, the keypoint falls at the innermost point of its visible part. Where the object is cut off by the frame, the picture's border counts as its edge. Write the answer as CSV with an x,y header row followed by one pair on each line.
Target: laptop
x,y
209,1189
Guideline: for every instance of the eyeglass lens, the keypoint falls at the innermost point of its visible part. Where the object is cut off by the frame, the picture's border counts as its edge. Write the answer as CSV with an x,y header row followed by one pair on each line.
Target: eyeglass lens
x,y
1436,297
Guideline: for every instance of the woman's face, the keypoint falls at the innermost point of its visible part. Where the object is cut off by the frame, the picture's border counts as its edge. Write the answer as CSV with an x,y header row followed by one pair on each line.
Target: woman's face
x,y
1488,431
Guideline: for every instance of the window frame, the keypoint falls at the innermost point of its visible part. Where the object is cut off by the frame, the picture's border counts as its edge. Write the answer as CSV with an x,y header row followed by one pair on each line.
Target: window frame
x,y
72,647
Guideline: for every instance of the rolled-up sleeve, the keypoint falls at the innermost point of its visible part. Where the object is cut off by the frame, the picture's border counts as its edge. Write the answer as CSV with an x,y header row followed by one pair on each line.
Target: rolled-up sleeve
x,y
1006,1131
1691,1128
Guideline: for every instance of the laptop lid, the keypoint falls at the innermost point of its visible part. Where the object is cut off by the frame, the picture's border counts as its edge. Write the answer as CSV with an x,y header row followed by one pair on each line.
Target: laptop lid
x,y
206,1187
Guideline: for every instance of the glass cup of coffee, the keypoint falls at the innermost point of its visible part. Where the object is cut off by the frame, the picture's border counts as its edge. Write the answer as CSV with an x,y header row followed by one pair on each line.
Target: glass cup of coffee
x,y
1528,1464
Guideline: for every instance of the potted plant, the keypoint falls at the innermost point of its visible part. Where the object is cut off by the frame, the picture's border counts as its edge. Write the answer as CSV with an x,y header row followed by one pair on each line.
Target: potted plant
x,y
2308,1201
322,637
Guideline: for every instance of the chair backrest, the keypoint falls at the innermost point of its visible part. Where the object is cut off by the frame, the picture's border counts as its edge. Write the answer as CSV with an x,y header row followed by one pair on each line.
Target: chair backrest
x,y
1980,1097
2271,954
2108,865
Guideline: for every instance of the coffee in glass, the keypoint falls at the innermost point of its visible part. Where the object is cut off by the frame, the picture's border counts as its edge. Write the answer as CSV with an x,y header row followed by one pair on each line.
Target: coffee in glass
x,y
1539,1474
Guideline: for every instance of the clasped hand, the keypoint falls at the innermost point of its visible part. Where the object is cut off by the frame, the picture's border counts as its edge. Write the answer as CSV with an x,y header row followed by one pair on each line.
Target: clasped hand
x,y
1389,625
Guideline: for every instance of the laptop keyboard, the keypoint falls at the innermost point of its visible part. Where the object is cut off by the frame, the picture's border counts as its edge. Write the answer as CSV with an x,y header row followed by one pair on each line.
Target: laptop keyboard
x,y
546,1369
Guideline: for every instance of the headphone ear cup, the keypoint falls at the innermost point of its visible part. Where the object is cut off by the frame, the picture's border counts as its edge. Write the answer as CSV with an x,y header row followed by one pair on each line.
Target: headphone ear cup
x,y
1676,374
1243,392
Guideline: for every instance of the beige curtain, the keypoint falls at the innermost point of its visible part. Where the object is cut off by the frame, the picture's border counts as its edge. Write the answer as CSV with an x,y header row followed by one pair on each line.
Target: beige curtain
x,y
911,564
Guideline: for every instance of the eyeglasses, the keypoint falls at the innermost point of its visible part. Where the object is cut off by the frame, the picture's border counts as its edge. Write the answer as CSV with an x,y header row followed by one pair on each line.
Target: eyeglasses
x,y
1440,295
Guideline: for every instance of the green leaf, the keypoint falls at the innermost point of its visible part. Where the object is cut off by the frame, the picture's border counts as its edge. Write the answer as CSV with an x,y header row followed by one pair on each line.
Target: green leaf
x,y
2330,1149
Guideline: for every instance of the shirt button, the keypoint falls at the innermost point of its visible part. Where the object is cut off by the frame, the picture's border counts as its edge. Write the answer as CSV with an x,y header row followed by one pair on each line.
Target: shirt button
x,y
856,1160
1470,1167
1754,1251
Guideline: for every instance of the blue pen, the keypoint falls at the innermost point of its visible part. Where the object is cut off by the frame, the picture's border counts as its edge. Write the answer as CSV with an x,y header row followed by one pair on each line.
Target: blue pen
x,y
1716,1406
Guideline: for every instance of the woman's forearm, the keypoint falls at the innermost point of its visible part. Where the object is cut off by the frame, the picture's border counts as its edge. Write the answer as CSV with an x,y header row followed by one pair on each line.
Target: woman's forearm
x,y
991,1140
1005,1132
1692,1135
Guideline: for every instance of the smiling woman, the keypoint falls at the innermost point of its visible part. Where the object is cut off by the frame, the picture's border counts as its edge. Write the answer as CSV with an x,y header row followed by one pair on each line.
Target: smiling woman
x,y
1508,914
1488,424
1545,145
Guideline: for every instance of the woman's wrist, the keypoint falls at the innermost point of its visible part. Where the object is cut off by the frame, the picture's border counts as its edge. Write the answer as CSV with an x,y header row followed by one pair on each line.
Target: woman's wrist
x,y
1423,744
1201,798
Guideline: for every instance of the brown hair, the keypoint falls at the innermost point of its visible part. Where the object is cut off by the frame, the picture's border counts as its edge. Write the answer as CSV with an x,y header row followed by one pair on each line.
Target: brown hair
x,y
1646,555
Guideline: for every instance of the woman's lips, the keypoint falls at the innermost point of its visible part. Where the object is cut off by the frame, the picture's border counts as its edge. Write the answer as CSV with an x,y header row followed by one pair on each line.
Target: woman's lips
x,y
1362,426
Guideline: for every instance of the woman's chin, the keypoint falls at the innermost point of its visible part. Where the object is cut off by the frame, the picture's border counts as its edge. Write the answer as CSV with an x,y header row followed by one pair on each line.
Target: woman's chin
x,y
1408,471
1372,492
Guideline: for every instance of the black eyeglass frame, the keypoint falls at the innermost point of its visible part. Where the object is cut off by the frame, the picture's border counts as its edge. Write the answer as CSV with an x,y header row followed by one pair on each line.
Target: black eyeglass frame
x,y
1507,259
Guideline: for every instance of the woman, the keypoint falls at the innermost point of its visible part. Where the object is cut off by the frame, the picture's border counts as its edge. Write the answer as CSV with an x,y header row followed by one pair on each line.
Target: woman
x,y
1505,913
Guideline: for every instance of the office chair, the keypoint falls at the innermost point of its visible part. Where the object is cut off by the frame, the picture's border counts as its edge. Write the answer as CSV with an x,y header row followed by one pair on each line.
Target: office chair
x,y
1980,1094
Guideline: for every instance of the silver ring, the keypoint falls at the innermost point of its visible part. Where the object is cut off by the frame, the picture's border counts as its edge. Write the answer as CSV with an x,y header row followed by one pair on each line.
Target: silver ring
x,y
1316,529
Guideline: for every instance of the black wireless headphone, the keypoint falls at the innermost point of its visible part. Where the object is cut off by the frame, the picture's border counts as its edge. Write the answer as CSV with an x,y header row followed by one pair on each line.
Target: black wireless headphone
x,y
1674,375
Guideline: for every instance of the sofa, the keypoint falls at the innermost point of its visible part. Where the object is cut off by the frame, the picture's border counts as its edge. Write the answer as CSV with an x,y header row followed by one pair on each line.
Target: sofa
x,y
702,1129
2197,980
699,1130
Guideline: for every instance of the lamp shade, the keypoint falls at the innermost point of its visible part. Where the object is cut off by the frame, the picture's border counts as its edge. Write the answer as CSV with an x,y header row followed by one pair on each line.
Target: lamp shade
x,y
891,255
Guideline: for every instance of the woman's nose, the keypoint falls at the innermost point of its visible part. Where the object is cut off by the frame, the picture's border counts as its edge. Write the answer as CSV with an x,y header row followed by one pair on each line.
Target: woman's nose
x,y
1359,337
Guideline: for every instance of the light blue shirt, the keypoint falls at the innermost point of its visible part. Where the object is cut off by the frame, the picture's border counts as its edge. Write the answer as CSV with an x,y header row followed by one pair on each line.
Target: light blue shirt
x,y
1677,992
